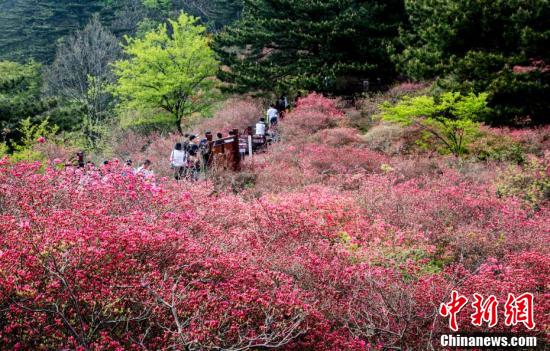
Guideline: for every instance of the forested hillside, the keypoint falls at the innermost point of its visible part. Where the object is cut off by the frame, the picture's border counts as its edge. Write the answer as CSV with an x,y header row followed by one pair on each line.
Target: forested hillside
x,y
32,29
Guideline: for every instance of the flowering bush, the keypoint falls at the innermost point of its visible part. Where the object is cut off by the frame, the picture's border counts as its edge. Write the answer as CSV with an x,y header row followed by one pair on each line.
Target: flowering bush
x,y
113,263
312,114
155,147
337,137
332,246
235,113
290,166
532,140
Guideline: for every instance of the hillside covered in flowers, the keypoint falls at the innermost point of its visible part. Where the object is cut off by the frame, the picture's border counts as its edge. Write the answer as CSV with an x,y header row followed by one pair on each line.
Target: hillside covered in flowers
x,y
334,239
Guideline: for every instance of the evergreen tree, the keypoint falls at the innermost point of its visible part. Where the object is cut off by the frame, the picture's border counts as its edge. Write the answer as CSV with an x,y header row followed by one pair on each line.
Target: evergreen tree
x,y
214,13
20,96
31,29
473,45
309,44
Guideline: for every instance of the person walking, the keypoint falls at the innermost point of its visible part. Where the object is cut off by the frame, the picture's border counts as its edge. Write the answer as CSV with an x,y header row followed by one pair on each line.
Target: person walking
x,y
260,127
205,150
193,160
178,158
272,115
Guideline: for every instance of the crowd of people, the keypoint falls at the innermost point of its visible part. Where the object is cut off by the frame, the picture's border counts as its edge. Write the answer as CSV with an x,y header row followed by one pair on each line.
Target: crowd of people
x,y
192,157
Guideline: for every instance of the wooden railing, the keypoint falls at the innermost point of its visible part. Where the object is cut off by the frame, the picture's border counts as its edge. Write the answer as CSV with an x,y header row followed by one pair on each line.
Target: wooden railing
x,y
229,152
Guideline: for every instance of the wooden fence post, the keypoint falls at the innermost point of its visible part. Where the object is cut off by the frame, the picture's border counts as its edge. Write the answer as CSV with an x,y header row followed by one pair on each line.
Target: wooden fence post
x,y
236,153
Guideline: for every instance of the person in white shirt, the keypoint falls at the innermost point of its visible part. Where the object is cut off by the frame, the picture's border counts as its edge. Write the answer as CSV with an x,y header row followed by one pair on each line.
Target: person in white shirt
x,y
272,115
145,169
260,127
178,159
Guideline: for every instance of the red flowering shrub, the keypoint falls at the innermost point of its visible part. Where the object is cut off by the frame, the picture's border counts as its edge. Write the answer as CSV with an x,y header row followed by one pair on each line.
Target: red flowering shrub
x,y
138,148
336,247
303,164
235,113
99,265
312,114
532,140
337,137
465,220
108,260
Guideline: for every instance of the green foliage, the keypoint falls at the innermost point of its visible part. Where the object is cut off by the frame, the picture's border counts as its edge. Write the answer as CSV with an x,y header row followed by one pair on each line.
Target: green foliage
x,y
169,69
489,147
214,13
68,116
19,96
24,149
474,46
326,46
520,95
31,29
531,184
147,121
3,149
452,118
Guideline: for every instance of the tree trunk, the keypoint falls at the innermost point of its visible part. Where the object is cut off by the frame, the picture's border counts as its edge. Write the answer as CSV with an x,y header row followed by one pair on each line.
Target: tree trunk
x,y
178,125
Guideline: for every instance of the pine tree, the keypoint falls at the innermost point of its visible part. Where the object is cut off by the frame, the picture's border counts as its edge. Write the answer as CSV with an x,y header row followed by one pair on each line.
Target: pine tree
x,y
309,44
20,97
31,29
474,46
215,13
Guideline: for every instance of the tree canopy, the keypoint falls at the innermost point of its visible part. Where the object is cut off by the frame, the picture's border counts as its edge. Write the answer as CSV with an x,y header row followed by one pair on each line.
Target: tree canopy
x,y
307,44
31,29
20,98
475,45
81,73
452,119
171,68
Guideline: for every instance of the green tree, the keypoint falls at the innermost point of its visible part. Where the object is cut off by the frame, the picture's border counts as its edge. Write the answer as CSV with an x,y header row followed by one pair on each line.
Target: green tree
x,y
473,45
20,96
24,149
31,29
214,13
309,44
452,118
172,69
